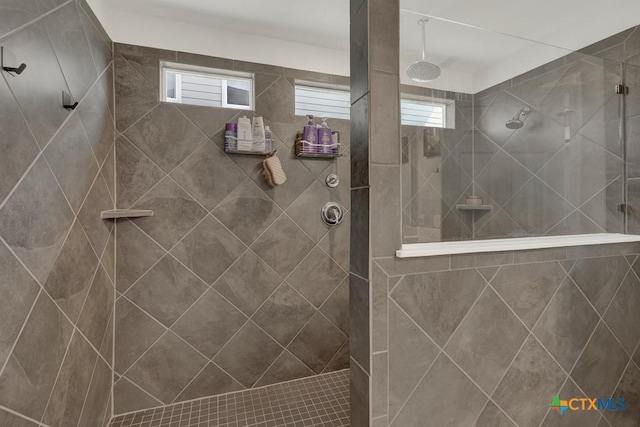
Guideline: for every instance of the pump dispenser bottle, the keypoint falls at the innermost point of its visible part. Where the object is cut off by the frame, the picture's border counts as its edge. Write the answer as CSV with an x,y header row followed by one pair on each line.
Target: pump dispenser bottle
x,y
325,140
310,135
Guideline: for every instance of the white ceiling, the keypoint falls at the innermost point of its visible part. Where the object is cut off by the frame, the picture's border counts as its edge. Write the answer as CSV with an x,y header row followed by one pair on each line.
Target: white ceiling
x,y
314,35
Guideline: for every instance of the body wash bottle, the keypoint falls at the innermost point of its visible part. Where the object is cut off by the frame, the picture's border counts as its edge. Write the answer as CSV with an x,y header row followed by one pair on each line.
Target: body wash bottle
x,y
310,135
324,138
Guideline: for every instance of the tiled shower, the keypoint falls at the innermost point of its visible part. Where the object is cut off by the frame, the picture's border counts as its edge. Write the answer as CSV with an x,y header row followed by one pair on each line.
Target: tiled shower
x,y
235,305
230,284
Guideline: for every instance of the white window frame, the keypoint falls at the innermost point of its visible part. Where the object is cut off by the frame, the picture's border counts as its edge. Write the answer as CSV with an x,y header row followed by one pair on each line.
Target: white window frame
x,y
196,70
448,119
448,111
321,86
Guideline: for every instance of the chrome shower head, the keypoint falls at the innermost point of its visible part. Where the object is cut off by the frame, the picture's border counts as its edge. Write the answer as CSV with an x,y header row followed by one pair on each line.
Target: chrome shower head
x,y
518,120
423,71
515,124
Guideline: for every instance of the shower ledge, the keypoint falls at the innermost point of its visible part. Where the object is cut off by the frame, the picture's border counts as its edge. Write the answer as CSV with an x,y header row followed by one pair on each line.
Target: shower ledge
x,y
474,207
413,250
125,213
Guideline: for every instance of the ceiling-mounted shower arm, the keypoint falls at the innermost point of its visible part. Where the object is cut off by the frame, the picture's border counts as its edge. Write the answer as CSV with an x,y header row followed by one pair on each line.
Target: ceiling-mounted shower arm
x,y
423,24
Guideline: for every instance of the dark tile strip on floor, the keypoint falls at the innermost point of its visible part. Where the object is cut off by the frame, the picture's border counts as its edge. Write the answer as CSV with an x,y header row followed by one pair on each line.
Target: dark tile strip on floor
x,y
321,400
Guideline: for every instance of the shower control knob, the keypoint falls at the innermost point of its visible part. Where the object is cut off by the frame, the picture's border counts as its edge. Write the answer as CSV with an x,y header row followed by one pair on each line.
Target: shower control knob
x,y
333,213
332,180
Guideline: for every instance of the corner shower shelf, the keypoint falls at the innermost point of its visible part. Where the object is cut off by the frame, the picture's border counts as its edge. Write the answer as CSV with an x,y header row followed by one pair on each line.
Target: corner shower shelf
x,y
474,207
125,213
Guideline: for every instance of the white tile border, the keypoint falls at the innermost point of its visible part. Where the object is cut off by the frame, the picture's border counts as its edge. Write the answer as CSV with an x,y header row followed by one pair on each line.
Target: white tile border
x,y
415,250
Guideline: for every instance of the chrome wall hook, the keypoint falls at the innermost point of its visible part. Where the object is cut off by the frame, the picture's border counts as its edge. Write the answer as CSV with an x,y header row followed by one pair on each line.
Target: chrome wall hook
x,y
67,101
7,62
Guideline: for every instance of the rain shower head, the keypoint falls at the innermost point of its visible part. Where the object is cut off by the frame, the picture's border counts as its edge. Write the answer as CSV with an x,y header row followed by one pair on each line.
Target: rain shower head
x,y
518,120
423,71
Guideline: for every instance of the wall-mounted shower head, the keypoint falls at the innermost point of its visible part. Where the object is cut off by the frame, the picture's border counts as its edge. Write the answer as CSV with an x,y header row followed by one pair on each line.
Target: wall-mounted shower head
x,y
518,120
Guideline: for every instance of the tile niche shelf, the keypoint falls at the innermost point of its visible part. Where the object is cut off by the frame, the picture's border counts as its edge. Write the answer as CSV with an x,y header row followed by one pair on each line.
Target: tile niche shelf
x,y
125,213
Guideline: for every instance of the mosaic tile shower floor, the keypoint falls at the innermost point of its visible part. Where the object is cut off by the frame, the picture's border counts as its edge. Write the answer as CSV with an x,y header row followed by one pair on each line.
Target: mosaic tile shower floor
x,y
321,400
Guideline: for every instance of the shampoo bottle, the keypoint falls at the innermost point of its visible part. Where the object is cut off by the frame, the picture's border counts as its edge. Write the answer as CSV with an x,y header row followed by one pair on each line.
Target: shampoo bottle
x,y
310,135
324,138
258,134
245,140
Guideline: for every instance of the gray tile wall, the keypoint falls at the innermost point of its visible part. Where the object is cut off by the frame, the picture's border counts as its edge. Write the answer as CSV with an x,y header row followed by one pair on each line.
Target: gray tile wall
x,y
489,339
376,225
56,255
231,284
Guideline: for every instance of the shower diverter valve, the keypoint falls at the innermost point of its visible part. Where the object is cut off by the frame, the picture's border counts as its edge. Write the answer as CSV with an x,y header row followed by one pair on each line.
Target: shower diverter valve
x,y
333,213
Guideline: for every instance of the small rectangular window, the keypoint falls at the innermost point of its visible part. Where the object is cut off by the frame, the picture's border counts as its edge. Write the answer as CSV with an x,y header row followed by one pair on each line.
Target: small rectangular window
x,y
323,100
194,85
425,112
335,102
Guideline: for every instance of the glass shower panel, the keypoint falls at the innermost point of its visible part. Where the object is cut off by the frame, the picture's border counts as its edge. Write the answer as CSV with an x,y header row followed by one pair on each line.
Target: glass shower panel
x,y
560,171
531,147
632,134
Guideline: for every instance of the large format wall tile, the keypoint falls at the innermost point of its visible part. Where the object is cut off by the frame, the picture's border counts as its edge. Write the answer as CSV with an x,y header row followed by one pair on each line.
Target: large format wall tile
x,y
39,88
209,250
135,96
284,314
16,13
540,329
210,382
35,220
524,391
528,288
67,398
97,119
96,313
208,175
222,224
485,352
167,367
247,212
165,136
18,146
283,246
76,172
31,370
167,290
47,376
248,283
248,354
209,323
72,274
136,331
439,301
444,396
66,30
174,213
566,325
17,301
